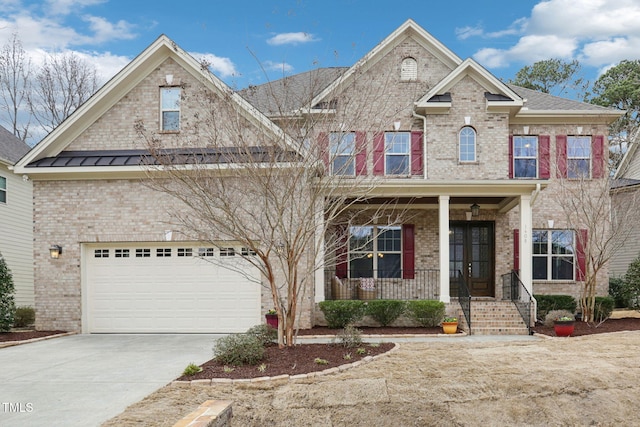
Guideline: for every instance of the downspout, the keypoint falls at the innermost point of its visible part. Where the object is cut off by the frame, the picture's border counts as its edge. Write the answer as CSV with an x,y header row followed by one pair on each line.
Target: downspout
x,y
424,141
535,193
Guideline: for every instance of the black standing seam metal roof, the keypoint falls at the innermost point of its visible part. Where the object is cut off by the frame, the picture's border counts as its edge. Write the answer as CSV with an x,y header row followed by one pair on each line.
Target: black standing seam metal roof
x,y
173,156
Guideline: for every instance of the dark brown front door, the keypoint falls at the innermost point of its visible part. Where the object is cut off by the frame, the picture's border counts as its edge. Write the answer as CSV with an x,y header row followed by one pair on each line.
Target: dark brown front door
x,y
471,254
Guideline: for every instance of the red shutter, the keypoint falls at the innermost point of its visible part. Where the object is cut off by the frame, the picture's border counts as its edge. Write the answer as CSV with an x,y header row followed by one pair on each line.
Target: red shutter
x,y
510,156
581,245
561,155
598,161
361,153
408,251
378,153
417,140
544,156
323,143
516,249
342,253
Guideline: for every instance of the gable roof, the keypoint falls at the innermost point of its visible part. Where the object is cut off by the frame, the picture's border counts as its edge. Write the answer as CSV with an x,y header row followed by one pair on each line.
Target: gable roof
x,y
116,88
408,29
11,147
543,102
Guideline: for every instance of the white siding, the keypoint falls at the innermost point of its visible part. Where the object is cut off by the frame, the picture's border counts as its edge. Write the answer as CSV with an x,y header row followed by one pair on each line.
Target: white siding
x,y
16,234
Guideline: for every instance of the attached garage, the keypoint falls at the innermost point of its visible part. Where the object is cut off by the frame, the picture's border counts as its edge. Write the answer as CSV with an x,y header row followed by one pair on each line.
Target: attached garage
x,y
168,288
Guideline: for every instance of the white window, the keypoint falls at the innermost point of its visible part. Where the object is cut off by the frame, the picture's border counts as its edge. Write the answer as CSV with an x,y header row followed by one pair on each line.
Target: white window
x,y
578,156
184,252
396,153
525,156
206,252
341,150
170,108
143,253
121,253
3,189
467,144
553,255
227,252
375,251
101,253
408,69
163,252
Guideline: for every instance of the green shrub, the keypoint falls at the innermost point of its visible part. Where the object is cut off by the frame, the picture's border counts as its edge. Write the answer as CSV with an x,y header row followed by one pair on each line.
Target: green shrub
x,y
340,313
191,369
350,337
427,313
7,302
617,292
547,303
24,316
266,334
238,349
603,308
631,285
385,311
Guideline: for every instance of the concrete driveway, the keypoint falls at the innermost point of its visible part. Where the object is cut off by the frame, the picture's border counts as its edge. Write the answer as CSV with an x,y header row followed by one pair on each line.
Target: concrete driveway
x,y
84,380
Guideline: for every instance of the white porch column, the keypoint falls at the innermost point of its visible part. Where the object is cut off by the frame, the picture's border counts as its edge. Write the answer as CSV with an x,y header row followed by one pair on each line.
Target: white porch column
x,y
526,247
443,229
319,260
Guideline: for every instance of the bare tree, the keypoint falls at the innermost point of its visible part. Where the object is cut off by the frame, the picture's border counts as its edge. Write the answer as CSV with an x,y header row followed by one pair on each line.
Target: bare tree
x,y
286,195
15,85
60,86
600,230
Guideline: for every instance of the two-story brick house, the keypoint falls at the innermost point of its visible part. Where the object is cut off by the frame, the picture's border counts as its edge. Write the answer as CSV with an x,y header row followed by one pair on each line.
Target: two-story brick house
x,y
472,164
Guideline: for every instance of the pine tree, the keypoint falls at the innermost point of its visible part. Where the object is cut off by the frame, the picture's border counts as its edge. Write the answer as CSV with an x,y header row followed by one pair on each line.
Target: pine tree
x,y
7,303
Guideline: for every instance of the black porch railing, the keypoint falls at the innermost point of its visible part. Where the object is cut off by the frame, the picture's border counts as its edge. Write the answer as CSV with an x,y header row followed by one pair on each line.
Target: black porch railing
x,y
513,289
464,298
418,284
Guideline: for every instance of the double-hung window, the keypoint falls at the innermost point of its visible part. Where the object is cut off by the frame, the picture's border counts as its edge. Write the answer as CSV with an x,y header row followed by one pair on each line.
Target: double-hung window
x,y
553,254
341,150
3,189
467,144
525,156
170,108
396,153
375,251
578,156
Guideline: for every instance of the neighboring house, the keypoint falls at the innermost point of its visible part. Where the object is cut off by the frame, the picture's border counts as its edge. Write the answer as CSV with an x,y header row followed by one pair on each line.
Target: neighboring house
x,y
625,190
16,208
475,161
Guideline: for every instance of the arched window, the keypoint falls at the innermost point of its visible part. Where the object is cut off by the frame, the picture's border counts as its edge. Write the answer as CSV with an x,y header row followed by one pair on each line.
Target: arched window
x,y
409,69
467,144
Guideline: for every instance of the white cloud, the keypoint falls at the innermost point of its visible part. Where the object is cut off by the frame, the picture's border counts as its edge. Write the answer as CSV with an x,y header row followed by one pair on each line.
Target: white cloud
x,y
291,38
64,7
282,67
104,30
222,67
596,32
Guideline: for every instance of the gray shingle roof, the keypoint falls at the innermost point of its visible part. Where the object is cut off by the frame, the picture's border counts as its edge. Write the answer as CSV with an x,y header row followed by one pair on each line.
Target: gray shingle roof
x,y
280,97
11,148
543,101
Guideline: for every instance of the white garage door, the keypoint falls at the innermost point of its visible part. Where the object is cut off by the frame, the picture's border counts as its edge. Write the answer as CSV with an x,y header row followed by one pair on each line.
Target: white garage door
x,y
164,288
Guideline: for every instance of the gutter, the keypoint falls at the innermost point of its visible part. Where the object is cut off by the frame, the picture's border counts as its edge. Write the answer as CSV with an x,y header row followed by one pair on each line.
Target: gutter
x,y
424,141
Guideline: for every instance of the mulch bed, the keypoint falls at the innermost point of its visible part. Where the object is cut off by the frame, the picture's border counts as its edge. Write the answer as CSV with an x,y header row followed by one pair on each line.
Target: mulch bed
x,y
583,328
26,335
299,359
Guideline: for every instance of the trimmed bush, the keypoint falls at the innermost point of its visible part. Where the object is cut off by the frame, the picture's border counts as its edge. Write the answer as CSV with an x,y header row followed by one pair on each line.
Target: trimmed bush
x,y
238,349
266,334
603,308
428,313
7,302
25,316
385,311
340,313
547,303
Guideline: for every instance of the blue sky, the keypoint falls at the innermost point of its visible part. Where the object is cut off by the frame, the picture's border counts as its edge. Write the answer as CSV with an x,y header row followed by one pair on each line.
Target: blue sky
x,y
244,39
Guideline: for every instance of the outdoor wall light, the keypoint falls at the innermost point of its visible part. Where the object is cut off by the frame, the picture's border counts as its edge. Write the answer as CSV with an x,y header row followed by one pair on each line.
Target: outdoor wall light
x,y
475,209
55,251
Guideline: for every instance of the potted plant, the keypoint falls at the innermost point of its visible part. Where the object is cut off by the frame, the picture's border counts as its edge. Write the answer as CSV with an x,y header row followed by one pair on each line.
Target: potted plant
x,y
272,318
564,326
450,325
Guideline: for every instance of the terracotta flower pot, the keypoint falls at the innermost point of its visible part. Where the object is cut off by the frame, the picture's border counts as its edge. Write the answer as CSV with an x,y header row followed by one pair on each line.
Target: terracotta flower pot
x,y
450,327
564,328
